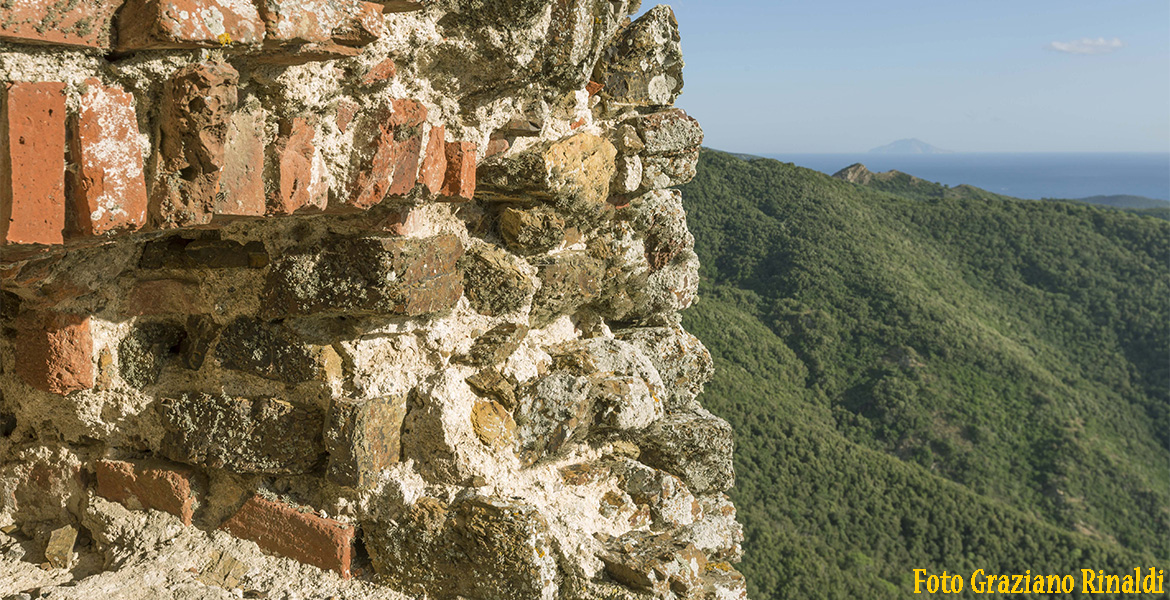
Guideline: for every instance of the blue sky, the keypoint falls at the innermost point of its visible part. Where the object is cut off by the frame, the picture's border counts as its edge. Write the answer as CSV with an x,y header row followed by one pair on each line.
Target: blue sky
x,y
977,76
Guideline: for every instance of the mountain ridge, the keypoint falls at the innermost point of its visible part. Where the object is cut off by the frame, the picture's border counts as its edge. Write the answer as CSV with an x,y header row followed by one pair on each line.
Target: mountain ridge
x,y
909,146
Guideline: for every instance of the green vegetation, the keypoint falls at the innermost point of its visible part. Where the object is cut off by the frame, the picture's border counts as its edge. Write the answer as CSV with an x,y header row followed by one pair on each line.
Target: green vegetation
x,y
932,379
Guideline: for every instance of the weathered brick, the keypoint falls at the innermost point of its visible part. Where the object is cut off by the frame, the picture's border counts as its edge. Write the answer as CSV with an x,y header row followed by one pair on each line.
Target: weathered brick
x,y
387,153
301,170
349,22
196,112
109,193
346,110
32,163
294,532
363,437
459,183
408,276
84,23
434,167
244,435
163,24
148,484
381,72
56,352
241,185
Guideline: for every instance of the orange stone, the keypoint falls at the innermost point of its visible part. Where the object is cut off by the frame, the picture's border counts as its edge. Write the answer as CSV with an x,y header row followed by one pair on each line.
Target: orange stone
x,y
152,485
109,193
55,352
301,170
388,151
167,24
32,163
434,167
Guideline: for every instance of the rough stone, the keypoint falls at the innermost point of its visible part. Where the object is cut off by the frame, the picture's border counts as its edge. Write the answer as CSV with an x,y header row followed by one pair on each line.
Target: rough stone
x,y
434,167
56,352
148,484
680,358
83,24
244,435
148,348
494,281
348,22
671,504
363,437
202,251
531,231
295,532
493,424
552,413
273,351
59,549
695,446
655,563
173,24
32,163
573,172
109,191
490,383
643,66
669,131
568,281
496,345
668,170
478,547
413,276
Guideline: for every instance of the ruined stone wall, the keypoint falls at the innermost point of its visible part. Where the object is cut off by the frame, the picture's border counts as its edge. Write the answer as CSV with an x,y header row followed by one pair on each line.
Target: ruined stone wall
x,y
332,298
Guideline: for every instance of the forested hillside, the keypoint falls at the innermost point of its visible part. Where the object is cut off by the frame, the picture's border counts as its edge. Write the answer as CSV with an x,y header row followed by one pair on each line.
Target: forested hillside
x,y
942,381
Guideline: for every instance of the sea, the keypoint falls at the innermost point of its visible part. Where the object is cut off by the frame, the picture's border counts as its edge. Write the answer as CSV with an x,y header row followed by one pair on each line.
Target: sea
x,y
1022,175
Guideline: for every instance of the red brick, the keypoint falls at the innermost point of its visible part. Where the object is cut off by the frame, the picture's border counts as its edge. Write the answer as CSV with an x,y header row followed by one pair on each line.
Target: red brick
x,y
196,119
404,222
383,71
160,24
242,178
301,170
283,529
109,192
389,154
346,110
84,23
593,88
496,146
32,163
150,484
348,22
55,352
459,184
434,167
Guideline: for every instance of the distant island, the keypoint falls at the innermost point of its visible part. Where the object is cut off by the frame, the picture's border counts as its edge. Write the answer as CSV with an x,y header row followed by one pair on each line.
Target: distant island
x,y
909,146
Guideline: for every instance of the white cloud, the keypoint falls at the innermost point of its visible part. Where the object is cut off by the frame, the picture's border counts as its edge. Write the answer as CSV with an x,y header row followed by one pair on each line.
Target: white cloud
x,y
1087,46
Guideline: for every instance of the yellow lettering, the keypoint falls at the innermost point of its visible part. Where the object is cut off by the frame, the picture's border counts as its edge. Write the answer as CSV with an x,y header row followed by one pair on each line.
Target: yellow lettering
x,y
1087,577
1005,585
1052,582
1113,584
1017,583
918,579
1039,589
1128,585
977,583
1067,584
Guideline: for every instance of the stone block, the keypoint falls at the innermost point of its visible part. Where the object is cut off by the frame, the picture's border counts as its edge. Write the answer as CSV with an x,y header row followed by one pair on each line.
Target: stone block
x,y
496,345
655,563
380,73
531,231
161,297
175,24
241,184
643,65
56,352
697,447
273,351
243,435
84,23
368,275
387,150
478,547
494,281
294,532
493,424
205,250
148,348
680,358
569,280
490,383
59,548
553,412
349,22
32,163
109,191
363,437
148,484
669,131
573,172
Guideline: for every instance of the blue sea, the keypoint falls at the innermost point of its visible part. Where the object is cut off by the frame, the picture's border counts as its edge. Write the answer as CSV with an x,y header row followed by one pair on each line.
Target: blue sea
x,y
1024,175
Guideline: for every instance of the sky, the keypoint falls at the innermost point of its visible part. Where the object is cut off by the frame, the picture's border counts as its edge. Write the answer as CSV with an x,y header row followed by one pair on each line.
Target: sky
x,y
807,76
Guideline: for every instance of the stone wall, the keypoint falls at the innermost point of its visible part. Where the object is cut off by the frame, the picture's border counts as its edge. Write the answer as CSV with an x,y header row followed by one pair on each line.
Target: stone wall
x,y
304,298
